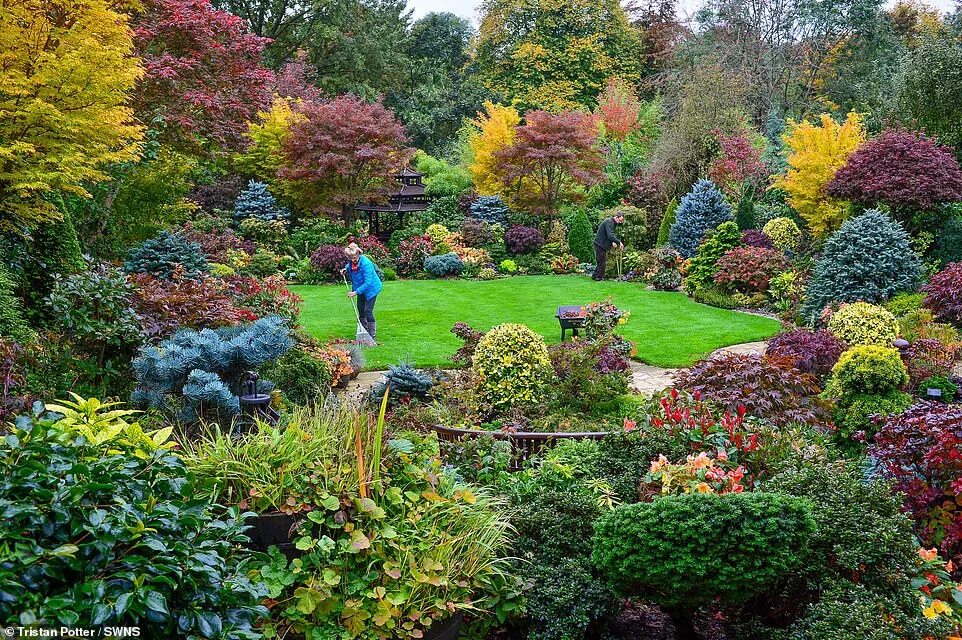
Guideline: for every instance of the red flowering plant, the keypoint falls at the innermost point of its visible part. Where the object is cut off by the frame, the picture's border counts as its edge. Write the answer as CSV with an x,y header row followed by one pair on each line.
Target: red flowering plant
x,y
739,165
721,444
921,450
941,595
411,253
267,297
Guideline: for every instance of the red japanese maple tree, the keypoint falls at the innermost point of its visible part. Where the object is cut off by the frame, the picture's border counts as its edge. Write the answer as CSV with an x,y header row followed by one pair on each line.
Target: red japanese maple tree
x,y
344,152
553,154
739,165
203,72
901,169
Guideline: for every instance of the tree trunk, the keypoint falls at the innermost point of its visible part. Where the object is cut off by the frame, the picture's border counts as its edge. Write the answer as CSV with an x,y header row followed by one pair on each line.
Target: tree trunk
x,y
684,626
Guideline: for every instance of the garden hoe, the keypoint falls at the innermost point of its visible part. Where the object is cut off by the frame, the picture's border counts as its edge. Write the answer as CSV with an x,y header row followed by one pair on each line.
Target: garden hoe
x,y
362,337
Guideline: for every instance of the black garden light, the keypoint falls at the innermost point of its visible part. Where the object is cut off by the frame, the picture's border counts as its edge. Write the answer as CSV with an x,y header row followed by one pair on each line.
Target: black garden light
x,y
256,406
901,344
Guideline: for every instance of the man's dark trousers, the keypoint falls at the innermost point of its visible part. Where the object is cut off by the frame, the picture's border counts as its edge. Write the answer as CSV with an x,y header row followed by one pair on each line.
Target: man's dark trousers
x,y
601,263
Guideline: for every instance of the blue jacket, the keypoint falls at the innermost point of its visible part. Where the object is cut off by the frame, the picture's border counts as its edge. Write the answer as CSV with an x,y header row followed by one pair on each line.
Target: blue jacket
x,y
364,281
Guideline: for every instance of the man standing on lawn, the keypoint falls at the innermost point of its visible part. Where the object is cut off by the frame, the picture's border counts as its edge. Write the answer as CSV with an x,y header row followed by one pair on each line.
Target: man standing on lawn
x,y
605,240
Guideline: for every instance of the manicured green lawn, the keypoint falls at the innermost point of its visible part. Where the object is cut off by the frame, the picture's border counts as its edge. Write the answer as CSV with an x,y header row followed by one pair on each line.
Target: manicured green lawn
x,y
414,317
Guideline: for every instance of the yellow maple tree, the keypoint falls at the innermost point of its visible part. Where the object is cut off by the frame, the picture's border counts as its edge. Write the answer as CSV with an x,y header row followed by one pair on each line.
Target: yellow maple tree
x,y
265,154
66,70
816,152
492,131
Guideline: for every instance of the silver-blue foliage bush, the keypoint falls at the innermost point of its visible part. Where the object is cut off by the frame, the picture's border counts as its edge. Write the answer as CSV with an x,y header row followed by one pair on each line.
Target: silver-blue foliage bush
x,y
256,201
196,374
701,209
446,264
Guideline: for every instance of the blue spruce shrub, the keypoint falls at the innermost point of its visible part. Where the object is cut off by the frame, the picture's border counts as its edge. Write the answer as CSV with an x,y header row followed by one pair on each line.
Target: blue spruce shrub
x,y
490,209
256,201
869,258
700,210
446,264
405,382
162,255
196,374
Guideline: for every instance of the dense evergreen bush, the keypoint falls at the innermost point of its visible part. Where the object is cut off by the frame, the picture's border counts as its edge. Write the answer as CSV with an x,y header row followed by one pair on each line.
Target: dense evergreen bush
x,y
869,258
256,201
862,323
745,214
664,228
868,369
53,250
198,374
302,377
565,600
405,382
444,265
581,238
12,323
948,241
716,244
673,550
784,233
162,255
513,367
114,535
702,209
491,209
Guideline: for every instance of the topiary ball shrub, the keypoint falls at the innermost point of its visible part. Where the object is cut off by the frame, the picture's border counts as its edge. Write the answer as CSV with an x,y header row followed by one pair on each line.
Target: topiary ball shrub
x,y
690,550
905,303
520,239
863,323
581,237
868,369
490,209
717,243
513,367
943,294
756,238
444,265
256,201
701,209
165,254
869,258
813,352
767,387
784,233
749,269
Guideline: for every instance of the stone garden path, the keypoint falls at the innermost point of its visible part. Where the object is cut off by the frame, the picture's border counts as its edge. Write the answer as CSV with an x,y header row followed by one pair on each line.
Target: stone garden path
x,y
645,379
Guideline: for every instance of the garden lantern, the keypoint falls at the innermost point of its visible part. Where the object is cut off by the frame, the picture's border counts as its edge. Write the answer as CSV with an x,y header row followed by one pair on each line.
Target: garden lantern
x,y
256,406
901,344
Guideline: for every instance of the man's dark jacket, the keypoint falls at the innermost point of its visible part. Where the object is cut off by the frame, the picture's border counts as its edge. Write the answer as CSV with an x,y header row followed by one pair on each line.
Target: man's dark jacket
x,y
606,238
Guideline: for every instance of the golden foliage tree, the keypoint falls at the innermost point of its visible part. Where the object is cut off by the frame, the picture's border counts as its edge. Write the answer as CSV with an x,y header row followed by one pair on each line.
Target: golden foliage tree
x,y
66,70
816,152
265,150
492,131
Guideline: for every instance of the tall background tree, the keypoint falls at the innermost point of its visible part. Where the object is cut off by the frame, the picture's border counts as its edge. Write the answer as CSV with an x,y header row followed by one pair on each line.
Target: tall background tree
x,y
66,71
555,54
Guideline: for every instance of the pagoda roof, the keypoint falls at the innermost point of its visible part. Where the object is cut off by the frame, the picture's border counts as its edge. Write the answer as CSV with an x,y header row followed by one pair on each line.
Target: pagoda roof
x,y
408,172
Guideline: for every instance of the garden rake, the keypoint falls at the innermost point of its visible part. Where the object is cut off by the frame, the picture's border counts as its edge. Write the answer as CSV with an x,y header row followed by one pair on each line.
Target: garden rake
x,y
362,337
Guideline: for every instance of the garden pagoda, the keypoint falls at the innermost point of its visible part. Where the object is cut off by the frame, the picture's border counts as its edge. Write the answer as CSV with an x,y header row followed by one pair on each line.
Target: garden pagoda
x,y
384,218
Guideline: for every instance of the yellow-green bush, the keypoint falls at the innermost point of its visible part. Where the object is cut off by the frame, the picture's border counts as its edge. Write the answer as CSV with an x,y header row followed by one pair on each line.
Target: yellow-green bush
x,y
784,233
863,323
438,234
513,367
867,369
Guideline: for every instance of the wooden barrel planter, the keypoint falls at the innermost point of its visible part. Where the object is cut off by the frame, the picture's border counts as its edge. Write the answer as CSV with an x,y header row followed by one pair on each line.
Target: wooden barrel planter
x,y
524,444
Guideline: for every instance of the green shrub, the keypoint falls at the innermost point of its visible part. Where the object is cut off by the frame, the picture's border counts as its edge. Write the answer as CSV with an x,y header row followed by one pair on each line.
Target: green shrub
x,y
444,265
784,233
861,323
685,551
634,231
301,377
948,242
666,221
745,213
581,237
263,263
858,413
701,269
513,367
868,369
12,323
405,382
116,534
870,259
168,252
905,303
52,251
942,383
713,295
565,600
